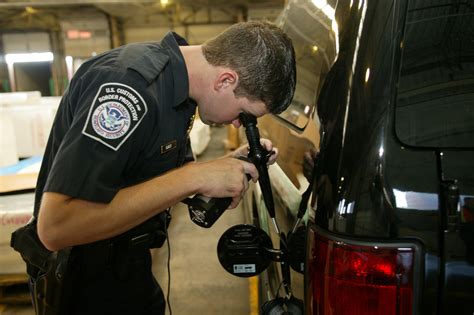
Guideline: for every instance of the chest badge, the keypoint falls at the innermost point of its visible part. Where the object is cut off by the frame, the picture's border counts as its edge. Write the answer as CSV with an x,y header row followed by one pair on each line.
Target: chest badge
x,y
168,146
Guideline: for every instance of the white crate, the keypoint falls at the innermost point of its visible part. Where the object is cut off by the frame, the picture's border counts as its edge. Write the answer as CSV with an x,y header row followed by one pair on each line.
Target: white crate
x,y
15,212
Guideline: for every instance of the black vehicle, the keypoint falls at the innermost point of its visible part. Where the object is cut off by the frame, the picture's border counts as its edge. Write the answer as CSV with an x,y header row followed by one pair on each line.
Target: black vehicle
x,y
391,229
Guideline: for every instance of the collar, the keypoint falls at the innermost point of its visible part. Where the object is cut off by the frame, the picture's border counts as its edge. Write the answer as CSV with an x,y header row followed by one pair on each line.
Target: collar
x,y
172,41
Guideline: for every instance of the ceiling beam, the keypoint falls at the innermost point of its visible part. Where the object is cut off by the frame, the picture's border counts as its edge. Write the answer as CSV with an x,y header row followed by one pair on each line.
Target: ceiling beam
x,y
36,3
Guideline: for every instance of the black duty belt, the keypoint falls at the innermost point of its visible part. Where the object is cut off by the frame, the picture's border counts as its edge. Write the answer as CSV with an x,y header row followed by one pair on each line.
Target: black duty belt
x,y
150,234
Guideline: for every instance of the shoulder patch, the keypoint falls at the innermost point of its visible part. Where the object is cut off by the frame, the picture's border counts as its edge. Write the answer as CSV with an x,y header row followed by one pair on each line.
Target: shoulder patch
x,y
114,114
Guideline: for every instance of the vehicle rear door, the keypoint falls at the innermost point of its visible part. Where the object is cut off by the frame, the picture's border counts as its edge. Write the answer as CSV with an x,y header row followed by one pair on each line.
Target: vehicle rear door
x,y
435,112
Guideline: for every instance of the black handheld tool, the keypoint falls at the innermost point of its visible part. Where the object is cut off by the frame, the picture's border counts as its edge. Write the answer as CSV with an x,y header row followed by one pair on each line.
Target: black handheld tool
x,y
204,211
259,157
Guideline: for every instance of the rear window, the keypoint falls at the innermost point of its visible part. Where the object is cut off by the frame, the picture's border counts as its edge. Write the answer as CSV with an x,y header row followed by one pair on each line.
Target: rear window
x,y
435,98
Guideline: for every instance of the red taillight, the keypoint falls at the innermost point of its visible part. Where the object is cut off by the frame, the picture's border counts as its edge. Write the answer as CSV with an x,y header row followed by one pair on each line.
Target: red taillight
x,y
345,278
467,214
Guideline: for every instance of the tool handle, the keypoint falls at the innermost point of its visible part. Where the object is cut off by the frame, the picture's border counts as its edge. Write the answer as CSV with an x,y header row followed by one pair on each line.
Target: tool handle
x,y
259,157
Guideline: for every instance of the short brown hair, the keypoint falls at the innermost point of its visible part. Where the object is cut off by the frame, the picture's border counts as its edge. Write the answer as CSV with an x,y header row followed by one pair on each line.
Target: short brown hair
x,y
264,58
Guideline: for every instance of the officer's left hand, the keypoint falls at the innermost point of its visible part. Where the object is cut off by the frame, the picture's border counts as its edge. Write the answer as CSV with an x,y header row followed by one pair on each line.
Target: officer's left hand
x,y
243,151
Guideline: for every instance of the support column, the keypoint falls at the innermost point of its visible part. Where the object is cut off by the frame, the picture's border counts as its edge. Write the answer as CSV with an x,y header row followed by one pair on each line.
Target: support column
x,y
117,36
58,69
5,85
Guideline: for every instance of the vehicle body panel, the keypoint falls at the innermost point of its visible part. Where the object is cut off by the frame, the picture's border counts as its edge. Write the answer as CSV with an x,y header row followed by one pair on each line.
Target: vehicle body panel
x,y
372,183
381,188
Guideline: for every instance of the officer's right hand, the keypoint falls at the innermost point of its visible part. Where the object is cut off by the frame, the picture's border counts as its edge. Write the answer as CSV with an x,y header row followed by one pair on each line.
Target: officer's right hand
x,y
225,177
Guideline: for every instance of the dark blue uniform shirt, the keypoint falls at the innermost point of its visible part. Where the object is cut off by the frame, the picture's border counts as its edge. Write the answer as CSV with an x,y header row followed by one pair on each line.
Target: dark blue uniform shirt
x,y
124,119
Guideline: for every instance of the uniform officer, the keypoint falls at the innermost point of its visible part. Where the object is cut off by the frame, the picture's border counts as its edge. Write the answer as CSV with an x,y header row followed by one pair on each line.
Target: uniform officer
x,y
118,153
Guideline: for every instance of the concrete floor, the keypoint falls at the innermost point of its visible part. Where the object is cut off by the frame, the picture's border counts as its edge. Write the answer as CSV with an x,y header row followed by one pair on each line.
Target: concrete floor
x,y
199,285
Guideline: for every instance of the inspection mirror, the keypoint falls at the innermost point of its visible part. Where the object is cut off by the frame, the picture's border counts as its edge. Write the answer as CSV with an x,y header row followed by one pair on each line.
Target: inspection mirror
x,y
243,250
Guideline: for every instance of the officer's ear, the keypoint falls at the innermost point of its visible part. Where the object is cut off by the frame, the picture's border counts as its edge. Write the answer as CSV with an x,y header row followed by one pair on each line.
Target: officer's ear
x,y
226,79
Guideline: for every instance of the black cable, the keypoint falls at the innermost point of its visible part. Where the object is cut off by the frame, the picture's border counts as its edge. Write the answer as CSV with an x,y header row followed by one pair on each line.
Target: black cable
x,y
168,265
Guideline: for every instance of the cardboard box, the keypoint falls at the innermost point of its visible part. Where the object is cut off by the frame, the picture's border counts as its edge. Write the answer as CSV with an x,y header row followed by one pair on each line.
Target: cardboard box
x,y
291,145
20,176
8,150
200,136
31,124
233,140
15,209
26,123
15,212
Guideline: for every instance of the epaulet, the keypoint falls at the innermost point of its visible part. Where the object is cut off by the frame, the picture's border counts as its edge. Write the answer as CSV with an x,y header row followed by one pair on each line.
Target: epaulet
x,y
150,64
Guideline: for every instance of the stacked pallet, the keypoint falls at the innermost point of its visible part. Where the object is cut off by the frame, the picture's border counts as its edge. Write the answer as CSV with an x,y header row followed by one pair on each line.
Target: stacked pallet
x,y
14,289
15,211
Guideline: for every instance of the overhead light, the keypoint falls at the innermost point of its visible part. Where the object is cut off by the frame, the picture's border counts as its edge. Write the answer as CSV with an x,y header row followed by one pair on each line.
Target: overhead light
x,y
164,3
314,49
31,10
78,34
85,34
367,75
29,57
307,109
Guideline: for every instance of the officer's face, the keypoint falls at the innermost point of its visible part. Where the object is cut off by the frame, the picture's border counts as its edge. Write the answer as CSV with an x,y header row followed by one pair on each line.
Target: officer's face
x,y
221,106
225,109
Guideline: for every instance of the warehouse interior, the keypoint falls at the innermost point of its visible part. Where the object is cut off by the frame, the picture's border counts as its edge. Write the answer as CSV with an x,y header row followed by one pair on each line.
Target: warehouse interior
x,y
367,207
42,45
73,31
